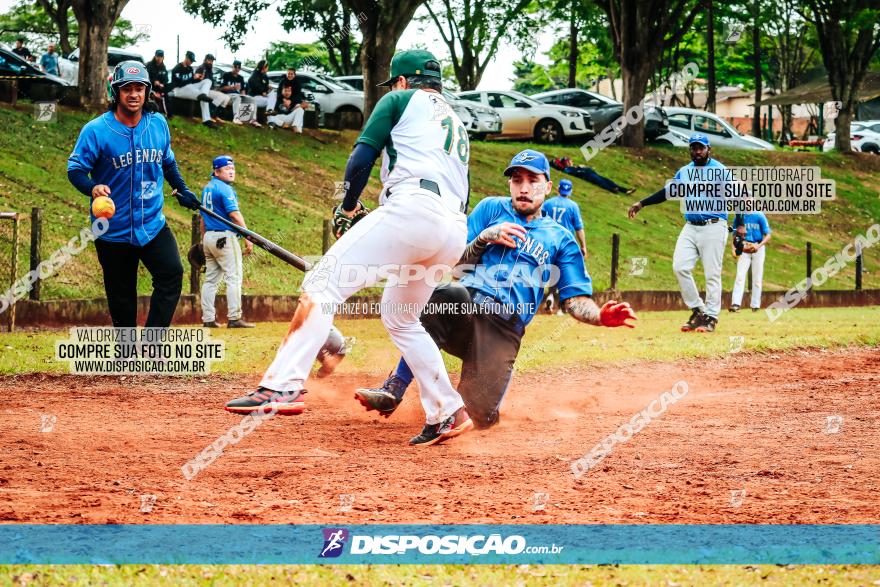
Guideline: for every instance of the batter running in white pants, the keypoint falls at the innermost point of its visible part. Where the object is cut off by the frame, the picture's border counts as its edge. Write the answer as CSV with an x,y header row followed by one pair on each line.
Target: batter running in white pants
x,y
702,239
420,223
756,232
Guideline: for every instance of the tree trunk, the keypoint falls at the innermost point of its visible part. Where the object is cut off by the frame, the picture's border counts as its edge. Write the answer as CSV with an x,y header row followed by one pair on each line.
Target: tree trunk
x,y
572,49
58,12
635,82
96,19
710,43
842,123
381,30
756,57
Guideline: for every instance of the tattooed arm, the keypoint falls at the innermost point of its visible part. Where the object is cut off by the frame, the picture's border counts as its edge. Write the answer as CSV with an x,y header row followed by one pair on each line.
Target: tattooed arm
x,y
499,234
582,309
612,314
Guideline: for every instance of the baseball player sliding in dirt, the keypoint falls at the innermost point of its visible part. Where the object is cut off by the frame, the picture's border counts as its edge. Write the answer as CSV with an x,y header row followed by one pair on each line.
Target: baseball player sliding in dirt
x,y
125,154
514,249
702,238
420,222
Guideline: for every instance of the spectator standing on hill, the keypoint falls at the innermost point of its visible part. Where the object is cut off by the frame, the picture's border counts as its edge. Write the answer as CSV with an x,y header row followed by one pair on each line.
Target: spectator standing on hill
x,y
159,78
186,87
49,60
21,50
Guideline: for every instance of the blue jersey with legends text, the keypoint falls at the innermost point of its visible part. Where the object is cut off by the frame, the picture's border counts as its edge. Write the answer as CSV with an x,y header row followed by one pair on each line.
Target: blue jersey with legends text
x,y
756,225
516,277
564,211
219,197
129,161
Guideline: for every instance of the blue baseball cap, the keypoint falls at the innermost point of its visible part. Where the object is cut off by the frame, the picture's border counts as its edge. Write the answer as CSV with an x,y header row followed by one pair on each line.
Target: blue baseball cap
x,y
534,161
222,161
699,138
565,187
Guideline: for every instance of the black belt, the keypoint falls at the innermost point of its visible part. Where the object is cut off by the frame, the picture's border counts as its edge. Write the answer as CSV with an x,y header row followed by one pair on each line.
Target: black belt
x,y
490,305
704,222
431,186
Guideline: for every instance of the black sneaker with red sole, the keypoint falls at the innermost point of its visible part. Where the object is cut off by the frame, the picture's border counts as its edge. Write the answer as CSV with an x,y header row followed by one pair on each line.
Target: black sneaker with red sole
x,y
694,321
455,425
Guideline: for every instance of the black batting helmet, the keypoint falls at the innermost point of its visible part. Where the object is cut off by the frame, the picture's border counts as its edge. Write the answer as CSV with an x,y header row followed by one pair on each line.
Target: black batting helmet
x,y
130,72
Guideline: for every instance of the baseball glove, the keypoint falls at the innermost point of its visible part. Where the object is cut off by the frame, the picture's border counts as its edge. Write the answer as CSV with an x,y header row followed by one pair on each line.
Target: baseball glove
x,y
738,244
342,223
750,247
196,255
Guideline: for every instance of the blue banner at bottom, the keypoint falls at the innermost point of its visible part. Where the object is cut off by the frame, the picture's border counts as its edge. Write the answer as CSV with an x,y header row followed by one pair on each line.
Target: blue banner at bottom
x,y
439,544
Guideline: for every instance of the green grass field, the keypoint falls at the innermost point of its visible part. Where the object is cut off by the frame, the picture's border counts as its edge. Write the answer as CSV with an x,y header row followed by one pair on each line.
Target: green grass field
x,y
285,184
427,575
551,341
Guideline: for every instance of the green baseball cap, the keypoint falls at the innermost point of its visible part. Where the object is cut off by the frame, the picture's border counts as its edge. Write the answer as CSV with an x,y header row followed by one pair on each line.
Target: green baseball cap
x,y
414,62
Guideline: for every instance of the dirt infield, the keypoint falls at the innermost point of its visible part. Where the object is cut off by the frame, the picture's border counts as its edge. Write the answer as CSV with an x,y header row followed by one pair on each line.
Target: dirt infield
x,y
758,423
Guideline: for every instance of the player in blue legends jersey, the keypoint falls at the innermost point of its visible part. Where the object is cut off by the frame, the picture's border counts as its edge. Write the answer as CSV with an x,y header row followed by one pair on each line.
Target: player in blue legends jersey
x,y
125,154
702,238
566,212
515,249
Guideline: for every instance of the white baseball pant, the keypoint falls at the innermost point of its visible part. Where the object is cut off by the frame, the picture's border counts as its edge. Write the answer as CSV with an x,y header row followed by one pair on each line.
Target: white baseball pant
x,y
706,244
413,228
221,263
756,262
294,119
192,92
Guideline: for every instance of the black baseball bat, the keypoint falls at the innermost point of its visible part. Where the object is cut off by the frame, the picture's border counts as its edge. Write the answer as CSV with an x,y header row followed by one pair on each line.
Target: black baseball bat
x,y
261,241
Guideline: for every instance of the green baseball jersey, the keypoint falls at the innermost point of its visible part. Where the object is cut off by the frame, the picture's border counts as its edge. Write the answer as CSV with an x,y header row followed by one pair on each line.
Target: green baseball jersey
x,y
420,137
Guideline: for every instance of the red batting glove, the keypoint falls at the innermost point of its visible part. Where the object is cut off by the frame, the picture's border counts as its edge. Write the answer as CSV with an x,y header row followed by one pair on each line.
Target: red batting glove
x,y
613,314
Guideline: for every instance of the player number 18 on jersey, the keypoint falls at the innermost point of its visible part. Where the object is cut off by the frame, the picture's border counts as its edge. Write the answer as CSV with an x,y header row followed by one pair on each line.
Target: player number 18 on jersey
x,y
462,146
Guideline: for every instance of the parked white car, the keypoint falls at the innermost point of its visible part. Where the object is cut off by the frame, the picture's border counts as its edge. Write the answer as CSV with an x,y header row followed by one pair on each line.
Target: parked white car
x,y
486,120
68,67
525,118
720,132
355,81
331,95
864,136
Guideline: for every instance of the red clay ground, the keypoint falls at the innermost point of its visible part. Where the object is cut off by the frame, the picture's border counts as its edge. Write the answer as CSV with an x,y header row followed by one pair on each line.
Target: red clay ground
x,y
754,423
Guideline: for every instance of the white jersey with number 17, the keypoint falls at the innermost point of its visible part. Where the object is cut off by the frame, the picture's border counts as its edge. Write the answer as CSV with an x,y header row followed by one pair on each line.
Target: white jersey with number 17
x,y
421,137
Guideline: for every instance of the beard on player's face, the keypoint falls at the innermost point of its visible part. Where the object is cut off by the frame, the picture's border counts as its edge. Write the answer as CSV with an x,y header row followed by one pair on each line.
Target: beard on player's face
x,y
699,153
527,191
132,97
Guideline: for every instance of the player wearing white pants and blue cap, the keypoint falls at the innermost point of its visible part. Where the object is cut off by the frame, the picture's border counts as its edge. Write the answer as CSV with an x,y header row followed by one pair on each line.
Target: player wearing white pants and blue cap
x,y
702,239
755,231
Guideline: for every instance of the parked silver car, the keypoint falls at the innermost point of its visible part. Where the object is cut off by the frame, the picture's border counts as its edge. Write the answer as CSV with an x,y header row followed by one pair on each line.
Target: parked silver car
x,y
486,120
68,66
720,132
604,110
525,118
